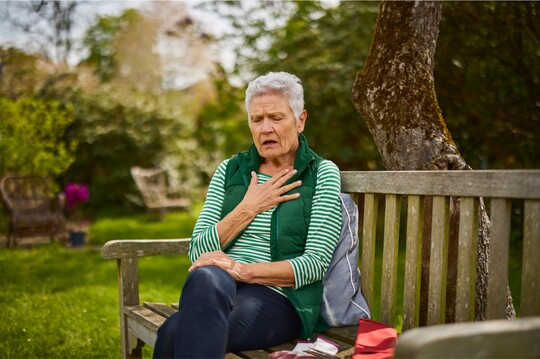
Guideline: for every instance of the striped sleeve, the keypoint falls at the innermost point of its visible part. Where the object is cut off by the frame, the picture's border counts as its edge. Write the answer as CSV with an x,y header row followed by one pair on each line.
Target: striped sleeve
x,y
324,228
205,236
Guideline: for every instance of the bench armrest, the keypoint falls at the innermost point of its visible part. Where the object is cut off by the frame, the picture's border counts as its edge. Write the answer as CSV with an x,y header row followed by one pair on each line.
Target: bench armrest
x,y
127,252
490,339
132,248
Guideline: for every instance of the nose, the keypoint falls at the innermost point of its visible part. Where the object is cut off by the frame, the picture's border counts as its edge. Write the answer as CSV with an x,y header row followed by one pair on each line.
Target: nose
x,y
267,126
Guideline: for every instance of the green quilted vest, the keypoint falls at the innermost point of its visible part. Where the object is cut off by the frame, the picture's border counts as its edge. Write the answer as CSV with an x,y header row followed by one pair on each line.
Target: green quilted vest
x,y
289,224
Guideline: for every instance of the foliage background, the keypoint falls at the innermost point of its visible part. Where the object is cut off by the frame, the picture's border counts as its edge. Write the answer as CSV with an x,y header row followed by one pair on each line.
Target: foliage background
x,y
119,106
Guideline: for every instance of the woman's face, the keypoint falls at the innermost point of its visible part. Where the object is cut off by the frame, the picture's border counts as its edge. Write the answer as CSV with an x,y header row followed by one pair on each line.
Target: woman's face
x,y
273,127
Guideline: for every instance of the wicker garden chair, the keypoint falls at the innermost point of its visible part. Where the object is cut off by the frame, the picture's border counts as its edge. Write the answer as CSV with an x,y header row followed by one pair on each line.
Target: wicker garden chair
x,y
32,209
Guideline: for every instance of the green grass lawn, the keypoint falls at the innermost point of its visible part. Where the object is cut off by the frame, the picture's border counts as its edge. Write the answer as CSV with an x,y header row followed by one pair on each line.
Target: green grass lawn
x,y
174,225
58,302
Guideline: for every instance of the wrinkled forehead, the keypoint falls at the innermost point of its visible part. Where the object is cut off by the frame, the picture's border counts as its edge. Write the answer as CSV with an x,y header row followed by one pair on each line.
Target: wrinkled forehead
x,y
269,102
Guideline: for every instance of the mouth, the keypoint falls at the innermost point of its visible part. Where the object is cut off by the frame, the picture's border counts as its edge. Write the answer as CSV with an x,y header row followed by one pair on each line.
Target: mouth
x,y
269,142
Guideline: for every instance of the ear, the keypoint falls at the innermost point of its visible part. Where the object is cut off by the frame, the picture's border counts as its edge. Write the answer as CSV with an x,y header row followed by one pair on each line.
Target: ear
x,y
301,121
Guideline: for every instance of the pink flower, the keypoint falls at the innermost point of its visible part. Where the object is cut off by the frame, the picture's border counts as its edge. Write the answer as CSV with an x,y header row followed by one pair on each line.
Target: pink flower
x,y
76,193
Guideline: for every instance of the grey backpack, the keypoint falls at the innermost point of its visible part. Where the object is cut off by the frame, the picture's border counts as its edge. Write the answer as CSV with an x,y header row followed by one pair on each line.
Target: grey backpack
x,y
343,302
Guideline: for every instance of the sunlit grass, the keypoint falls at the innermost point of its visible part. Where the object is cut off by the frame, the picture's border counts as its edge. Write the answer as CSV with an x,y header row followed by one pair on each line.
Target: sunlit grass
x,y
177,224
63,303
57,302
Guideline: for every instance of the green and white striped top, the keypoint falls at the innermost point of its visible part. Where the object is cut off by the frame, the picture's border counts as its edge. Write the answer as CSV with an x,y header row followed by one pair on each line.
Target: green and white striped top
x,y
254,244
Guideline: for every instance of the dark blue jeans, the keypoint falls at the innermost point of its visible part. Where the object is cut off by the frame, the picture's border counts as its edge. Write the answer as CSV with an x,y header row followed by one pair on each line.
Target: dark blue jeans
x,y
218,315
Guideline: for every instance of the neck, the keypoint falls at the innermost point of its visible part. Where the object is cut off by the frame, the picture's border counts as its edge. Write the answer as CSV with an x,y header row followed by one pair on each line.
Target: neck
x,y
271,167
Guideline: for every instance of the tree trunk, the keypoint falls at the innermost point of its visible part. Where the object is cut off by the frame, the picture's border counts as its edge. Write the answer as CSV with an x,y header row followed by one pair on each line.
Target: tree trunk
x,y
395,94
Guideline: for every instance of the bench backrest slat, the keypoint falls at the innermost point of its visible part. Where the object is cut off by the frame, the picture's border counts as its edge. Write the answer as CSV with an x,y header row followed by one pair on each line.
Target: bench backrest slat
x,y
498,258
438,260
413,261
530,286
369,233
390,259
466,268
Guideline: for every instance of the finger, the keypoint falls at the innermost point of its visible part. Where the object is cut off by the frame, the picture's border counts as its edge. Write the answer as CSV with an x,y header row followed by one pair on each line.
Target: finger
x,y
197,264
203,263
283,176
288,197
254,178
291,186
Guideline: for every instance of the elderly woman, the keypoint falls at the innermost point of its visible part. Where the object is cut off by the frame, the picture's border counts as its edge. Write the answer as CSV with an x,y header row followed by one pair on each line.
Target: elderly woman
x,y
264,238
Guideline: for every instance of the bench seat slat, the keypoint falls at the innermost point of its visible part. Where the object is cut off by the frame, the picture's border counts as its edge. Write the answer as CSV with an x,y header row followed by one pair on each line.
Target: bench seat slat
x,y
160,308
255,354
143,322
345,334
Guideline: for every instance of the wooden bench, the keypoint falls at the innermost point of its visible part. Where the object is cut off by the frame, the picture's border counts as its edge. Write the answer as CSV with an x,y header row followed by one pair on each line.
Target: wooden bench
x,y
513,202
33,211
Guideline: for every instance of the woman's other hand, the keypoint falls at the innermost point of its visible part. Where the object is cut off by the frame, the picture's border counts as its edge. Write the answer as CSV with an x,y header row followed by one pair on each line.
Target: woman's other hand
x,y
221,260
278,273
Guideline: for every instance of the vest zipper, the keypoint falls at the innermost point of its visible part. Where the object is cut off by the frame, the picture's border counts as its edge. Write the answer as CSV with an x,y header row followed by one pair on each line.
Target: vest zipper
x,y
277,232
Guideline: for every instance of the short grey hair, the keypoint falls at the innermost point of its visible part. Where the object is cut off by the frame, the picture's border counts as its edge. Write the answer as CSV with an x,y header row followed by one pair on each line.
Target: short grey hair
x,y
285,83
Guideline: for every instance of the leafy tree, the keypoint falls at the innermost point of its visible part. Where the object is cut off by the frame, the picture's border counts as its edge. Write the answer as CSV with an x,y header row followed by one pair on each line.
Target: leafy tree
x,y
156,49
113,137
100,40
32,137
19,74
221,127
487,71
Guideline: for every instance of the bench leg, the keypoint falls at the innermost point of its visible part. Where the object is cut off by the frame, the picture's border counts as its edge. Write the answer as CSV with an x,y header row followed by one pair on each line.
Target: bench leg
x,y
135,345
11,241
128,293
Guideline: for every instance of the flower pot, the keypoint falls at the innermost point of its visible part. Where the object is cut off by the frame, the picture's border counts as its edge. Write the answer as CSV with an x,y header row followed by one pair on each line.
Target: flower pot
x,y
77,239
